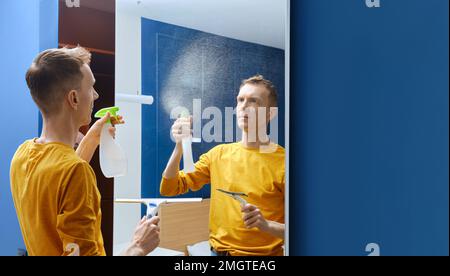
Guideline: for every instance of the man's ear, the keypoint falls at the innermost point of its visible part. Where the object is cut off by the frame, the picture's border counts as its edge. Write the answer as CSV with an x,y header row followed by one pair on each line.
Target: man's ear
x,y
72,98
273,112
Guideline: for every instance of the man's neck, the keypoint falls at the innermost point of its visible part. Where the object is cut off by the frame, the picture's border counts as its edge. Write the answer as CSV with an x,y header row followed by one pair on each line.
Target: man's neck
x,y
59,128
254,142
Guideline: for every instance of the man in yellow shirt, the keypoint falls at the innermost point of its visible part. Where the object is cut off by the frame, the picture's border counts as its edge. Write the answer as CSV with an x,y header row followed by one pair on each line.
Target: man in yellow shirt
x,y
54,188
254,166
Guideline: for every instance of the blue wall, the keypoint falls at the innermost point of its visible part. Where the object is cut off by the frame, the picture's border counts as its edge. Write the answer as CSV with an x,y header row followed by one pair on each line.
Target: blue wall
x,y
26,27
369,134
180,65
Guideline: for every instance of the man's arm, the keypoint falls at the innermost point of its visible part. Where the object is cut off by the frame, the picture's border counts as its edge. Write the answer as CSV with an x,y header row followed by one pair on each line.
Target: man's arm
x,y
175,182
79,210
276,229
87,147
173,166
90,142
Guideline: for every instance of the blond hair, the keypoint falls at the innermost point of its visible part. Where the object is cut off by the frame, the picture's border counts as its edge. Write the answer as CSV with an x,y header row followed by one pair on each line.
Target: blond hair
x,y
260,80
53,74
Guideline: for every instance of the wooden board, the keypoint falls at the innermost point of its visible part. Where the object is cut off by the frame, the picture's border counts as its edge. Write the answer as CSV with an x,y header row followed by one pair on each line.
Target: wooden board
x,y
183,224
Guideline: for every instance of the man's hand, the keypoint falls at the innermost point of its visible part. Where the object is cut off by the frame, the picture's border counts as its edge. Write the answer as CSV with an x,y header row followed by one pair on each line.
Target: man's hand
x,y
146,237
90,142
181,128
96,129
254,218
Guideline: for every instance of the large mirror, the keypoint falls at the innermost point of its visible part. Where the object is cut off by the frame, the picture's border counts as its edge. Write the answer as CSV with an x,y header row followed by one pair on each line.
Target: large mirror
x,y
210,127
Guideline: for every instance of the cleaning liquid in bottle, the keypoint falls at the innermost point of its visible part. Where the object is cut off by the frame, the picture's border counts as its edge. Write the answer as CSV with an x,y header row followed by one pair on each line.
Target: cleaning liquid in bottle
x,y
113,160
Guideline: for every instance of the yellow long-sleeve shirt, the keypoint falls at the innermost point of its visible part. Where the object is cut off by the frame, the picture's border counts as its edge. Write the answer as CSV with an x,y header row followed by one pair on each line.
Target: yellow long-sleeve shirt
x,y
57,200
234,168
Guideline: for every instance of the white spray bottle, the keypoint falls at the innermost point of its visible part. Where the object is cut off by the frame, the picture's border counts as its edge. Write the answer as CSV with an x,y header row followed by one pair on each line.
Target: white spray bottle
x,y
113,160
186,143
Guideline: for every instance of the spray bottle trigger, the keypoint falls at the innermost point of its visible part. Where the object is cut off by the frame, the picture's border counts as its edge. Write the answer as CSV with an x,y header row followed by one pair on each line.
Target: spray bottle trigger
x,y
112,111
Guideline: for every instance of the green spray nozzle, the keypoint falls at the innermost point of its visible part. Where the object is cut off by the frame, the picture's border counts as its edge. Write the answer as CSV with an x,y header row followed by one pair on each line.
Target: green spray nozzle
x,y
112,112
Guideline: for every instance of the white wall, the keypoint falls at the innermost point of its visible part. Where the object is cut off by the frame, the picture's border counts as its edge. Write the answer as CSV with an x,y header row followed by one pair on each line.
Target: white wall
x,y
256,21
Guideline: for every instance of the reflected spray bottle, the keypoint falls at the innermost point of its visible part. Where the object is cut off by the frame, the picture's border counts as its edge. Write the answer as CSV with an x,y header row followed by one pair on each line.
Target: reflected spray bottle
x,y
186,143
